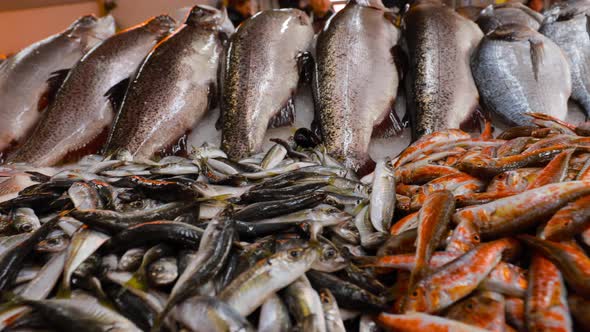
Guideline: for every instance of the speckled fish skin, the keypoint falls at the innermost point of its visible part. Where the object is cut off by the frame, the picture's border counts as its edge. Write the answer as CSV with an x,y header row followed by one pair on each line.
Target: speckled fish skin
x,y
434,218
416,322
355,86
261,76
23,77
173,88
513,214
571,261
483,309
495,16
81,112
546,307
518,70
441,90
569,221
567,26
458,278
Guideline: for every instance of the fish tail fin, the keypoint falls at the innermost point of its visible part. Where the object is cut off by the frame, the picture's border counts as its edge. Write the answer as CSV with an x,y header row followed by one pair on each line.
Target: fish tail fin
x,y
390,126
285,116
138,280
537,54
365,167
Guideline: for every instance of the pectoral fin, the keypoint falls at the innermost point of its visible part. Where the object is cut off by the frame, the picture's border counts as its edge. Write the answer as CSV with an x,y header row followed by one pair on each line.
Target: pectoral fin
x,y
116,94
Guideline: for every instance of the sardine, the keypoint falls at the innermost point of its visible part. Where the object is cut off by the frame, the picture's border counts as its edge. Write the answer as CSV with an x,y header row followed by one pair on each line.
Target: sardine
x,y
260,77
202,313
355,87
440,87
159,109
274,316
382,205
24,87
80,115
518,70
163,271
304,303
332,314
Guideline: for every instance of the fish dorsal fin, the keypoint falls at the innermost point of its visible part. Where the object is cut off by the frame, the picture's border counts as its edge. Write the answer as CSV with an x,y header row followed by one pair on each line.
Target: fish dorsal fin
x,y
116,94
54,82
285,117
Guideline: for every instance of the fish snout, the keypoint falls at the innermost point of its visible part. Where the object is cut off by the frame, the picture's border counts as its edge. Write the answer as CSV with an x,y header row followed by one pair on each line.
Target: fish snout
x,y
161,25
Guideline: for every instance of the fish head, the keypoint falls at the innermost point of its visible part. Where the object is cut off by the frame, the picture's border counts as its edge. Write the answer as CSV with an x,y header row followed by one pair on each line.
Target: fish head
x,y
330,258
163,271
161,25
56,241
90,30
305,255
417,300
208,17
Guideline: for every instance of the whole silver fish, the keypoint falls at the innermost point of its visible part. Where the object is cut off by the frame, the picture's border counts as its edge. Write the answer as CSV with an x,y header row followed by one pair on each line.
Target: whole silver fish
x,y
440,87
260,77
274,316
518,70
24,76
173,88
494,16
81,114
356,80
567,25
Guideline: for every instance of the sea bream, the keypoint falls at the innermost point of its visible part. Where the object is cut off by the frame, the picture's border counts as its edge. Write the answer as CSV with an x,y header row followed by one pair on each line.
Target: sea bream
x,y
174,86
567,25
28,79
518,71
79,118
260,75
356,80
494,16
440,88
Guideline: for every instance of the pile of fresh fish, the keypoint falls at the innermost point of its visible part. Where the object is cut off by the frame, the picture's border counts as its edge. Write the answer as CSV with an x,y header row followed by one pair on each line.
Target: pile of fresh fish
x,y
155,89
433,239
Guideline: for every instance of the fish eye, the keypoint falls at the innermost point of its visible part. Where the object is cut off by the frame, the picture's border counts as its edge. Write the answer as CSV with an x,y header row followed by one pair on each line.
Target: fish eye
x,y
26,227
295,253
469,306
476,238
415,293
53,241
330,253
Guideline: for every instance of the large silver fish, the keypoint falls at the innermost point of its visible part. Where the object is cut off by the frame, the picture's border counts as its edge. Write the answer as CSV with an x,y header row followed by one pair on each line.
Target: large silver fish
x,y
78,119
173,88
567,25
261,73
518,70
24,86
441,90
356,80
494,16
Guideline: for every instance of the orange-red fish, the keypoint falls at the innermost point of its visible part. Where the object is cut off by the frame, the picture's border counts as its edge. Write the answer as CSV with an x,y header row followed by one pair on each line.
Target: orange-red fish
x,y
483,309
433,221
546,306
555,171
423,173
510,215
437,138
418,322
465,237
515,313
458,278
516,180
569,220
571,261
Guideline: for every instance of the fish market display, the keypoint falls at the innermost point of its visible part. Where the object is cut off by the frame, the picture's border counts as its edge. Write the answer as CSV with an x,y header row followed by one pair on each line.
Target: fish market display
x,y
26,79
173,88
355,86
567,26
456,233
80,116
518,70
440,87
266,58
495,16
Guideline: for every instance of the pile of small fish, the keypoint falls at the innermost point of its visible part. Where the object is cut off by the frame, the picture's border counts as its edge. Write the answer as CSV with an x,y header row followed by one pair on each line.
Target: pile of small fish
x,y
151,89
432,240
